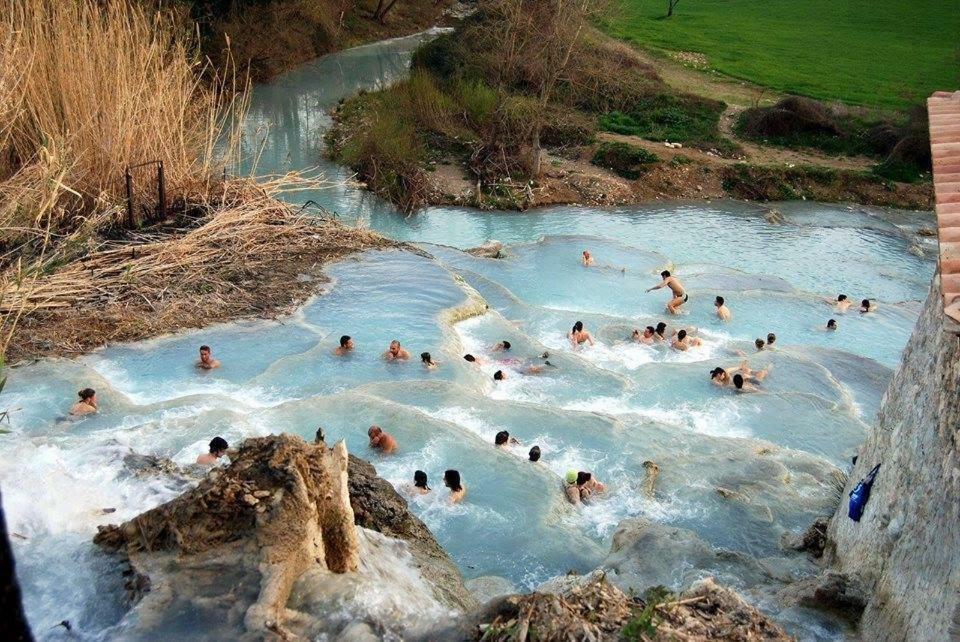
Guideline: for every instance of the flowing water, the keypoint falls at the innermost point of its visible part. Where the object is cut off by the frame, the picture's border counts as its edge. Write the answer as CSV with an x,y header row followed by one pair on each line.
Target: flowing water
x,y
606,408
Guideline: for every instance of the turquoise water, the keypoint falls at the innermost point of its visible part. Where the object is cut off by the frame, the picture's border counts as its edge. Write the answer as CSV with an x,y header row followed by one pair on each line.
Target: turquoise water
x,y
606,408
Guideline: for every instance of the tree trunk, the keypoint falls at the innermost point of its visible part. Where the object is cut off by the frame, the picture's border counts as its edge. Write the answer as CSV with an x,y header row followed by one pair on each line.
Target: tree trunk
x,y
535,152
381,14
670,5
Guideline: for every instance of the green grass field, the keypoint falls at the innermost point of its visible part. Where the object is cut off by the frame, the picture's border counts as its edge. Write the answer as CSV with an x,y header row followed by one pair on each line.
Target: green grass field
x,y
884,53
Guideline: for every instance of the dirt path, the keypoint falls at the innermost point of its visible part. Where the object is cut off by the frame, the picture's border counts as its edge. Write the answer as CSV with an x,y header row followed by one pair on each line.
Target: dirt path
x,y
739,95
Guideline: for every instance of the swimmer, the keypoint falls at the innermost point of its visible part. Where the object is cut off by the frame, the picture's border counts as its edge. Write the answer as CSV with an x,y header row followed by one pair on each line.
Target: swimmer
x,y
380,440
771,339
831,325
719,377
503,439
346,345
659,331
535,454
218,448
472,359
451,479
646,337
587,259
420,486
501,346
499,375
740,384
570,488
684,342
841,304
723,312
207,362
867,306
395,352
679,295
428,361
588,485
87,404
759,343
578,335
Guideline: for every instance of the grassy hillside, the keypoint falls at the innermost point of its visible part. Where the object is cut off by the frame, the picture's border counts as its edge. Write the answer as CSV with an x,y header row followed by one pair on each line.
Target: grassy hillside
x,y
885,53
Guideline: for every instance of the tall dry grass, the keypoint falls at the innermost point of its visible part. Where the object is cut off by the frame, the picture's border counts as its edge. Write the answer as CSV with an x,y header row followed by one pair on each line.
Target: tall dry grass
x,y
89,87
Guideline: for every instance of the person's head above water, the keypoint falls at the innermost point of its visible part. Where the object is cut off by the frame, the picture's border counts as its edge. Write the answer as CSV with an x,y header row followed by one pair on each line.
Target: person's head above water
x,y
578,326
832,324
665,274
218,447
394,346
501,438
425,357
373,431
648,331
661,328
717,372
571,477
583,477
346,341
771,338
865,304
204,353
759,343
502,345
841,297
499,375
535,453
718,301
451,480
87,394
470,358
738,381
420,479
681,335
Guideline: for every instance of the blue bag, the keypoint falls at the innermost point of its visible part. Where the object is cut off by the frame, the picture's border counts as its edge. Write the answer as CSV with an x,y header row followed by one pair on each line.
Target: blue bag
x,y
861,493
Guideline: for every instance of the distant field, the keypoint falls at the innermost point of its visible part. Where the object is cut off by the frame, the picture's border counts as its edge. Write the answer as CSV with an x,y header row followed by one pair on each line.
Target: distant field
x,y
886,53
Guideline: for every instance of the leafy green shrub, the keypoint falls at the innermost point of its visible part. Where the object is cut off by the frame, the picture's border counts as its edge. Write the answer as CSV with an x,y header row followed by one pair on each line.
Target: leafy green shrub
x,y
681,118
625,160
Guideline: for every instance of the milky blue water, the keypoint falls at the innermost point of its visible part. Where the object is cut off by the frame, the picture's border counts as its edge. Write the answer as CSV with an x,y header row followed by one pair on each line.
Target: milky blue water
x,y
606,408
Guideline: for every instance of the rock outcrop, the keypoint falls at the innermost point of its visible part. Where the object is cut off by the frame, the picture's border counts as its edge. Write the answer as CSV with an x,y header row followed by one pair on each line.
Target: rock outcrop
x,y
905,550
280,545
280,508
599,611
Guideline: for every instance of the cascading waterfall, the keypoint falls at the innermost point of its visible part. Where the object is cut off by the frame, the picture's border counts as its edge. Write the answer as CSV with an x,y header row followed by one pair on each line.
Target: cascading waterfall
x,y
606,408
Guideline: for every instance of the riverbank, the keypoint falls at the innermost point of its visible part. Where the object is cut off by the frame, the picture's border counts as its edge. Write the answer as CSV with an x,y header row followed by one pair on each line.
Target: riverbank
x,y
250,256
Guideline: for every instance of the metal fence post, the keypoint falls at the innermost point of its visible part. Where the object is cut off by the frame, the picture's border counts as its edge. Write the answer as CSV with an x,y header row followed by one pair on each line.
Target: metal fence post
x,y
131,221
162,191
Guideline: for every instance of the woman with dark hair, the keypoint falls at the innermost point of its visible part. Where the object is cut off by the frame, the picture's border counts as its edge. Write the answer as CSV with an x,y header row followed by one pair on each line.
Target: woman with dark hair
x,y
451,479
428,361
87,404
420,482
659,330
503,439
578,335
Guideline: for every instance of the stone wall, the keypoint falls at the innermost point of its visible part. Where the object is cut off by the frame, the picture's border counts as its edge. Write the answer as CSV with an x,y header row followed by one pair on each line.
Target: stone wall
x,y
906,548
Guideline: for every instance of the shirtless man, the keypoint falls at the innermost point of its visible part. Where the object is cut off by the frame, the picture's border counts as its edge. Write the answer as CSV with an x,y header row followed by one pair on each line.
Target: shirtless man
x,y
346,345
760,344
395,352
451,479
87,404
380,440
587,259
684,342
723,312
841,304
472,359
218,448
207,362
724,376
578,335
679,295
646,337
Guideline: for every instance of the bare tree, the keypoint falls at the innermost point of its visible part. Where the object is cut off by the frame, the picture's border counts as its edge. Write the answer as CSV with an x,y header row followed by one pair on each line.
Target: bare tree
x,y
670,5
383,8
531,42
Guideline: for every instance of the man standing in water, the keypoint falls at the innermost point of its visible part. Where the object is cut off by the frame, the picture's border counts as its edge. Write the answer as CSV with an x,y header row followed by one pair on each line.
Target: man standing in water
x,y
380,440
841,304
684,342
395,352
723,312
87,404
207,362
679,295
346,345
218,448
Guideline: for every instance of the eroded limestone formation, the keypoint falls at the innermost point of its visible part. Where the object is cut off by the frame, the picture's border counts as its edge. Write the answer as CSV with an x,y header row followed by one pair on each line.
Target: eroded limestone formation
x,y
280,508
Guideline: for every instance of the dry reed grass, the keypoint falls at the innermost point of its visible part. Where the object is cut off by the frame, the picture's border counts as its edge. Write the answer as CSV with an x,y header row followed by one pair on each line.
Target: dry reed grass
x,y
88,88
